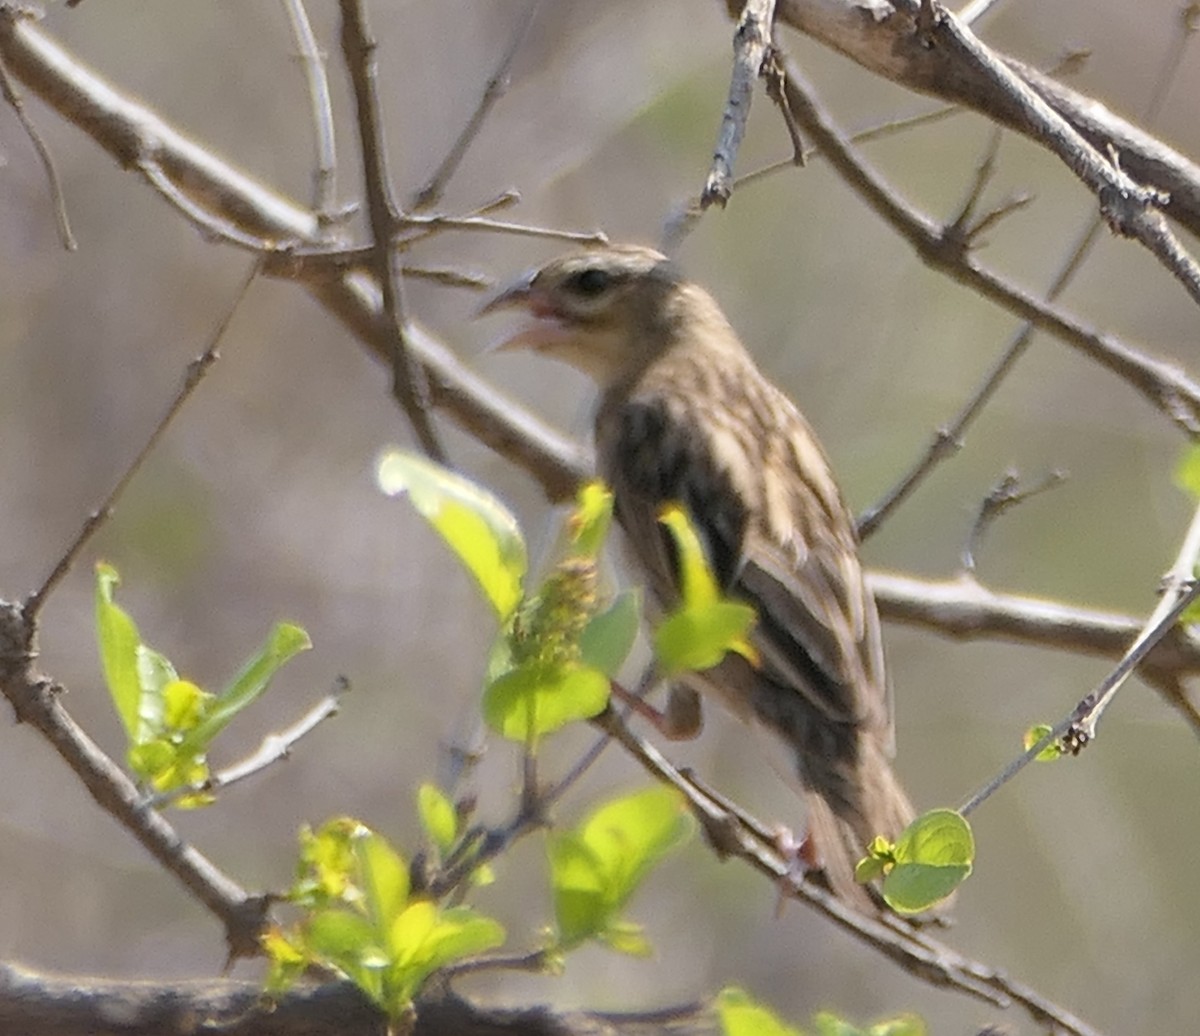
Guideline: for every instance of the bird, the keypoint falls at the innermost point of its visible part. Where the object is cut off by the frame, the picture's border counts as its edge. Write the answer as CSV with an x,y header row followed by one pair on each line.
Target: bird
x,y
686,417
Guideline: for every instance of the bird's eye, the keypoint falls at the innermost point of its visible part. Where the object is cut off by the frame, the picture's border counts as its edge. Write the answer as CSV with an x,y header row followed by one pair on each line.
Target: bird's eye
x,y
590,282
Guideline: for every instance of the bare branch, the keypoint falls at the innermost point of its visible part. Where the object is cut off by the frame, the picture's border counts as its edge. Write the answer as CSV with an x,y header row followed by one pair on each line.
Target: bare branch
x,y
195,373
58,200
410,383
35,700
496,88
751,43
313,63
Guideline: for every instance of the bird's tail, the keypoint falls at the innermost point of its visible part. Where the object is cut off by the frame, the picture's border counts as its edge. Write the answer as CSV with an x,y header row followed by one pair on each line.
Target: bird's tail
x,y
840,840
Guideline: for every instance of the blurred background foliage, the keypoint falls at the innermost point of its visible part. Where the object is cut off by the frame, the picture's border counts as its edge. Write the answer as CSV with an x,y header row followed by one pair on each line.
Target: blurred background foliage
x,y
260,504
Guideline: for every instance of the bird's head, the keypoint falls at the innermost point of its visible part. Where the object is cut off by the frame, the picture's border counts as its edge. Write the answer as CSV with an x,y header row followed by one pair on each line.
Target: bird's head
x,y
606,311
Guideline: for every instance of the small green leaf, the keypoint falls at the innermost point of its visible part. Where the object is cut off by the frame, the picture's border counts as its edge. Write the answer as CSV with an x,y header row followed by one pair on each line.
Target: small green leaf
x,y
183,705
606,640
382,874
135,673
536,699
1187,471
627,938
697,583
933,855
438,816
596,867
118,639
696,637
473,523
741,1015
1035,734
283,643
589,522
582,905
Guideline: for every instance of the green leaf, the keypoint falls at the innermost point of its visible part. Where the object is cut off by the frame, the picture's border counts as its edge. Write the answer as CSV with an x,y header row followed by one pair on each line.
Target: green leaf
x,y
425,939
439,818
1035,734
134,673
183,705
933,855
741,1015
1187,471
473,523
118,640
607,639
697,583
283,643
696,637
596,867
589,522
382,874
347,941
536,699
627,938
582,905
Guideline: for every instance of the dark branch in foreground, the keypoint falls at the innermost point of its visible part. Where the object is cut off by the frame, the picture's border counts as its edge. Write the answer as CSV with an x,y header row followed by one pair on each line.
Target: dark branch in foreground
x,y
33,1004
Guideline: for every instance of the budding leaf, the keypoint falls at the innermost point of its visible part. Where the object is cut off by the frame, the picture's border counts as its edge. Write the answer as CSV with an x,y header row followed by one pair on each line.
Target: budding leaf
x,y
473,523
742,1015
589,521
1035,734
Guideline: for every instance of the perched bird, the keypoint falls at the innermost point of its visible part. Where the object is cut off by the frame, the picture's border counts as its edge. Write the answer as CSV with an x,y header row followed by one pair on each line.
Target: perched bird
x,y
685,416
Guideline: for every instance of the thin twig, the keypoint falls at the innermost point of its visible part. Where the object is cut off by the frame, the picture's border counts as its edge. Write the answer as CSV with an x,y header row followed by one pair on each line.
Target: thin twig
x,y
1005,495
196,370
410,385
312,60
273,748
751,42
58,200
1179,590
1078,729
497,87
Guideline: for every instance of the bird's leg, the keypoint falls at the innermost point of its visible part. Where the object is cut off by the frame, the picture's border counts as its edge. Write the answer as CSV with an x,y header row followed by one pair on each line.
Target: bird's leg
x,y
681,720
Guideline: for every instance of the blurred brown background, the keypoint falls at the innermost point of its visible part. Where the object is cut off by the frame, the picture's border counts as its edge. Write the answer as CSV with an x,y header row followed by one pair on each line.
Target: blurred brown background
x,y
260,504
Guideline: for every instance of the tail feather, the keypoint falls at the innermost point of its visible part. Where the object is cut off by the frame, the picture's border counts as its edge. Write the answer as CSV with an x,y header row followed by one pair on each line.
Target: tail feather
x,y
840,841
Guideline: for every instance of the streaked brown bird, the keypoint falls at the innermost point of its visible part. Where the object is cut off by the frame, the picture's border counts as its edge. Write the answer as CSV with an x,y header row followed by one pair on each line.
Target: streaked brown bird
x,y
685,416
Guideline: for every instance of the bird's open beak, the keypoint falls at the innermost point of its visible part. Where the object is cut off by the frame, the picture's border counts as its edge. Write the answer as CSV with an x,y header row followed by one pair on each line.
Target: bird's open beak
x,y
543,331
516,295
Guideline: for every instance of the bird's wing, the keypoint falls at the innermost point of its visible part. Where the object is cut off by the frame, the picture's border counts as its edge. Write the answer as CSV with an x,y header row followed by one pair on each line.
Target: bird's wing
x,y
773,539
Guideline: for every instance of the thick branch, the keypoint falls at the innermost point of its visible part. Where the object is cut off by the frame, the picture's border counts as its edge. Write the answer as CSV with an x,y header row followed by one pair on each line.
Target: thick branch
x,y
43,1005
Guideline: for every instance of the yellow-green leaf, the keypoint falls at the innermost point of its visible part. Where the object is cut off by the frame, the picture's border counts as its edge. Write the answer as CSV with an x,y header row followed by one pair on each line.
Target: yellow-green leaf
x,y
697,637
1035,734
742,1015
438,816
697,583
473,523
589,521
535,699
